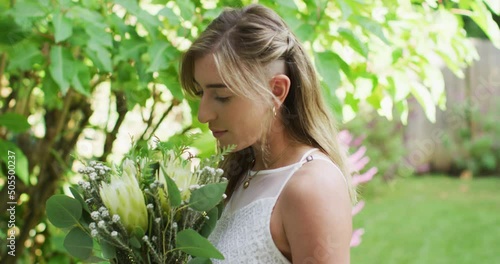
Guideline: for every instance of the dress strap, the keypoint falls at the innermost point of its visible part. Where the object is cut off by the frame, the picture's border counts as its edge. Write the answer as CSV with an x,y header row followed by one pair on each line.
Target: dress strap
x,y
307,156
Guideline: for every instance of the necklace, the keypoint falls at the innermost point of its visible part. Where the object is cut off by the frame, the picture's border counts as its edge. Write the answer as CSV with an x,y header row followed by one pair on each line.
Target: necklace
x,y
250,177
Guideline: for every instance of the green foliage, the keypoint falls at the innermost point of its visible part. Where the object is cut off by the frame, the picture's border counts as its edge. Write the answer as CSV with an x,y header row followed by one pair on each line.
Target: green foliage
x,y
60,59
193,243
207,197
384,144
474,146
63,211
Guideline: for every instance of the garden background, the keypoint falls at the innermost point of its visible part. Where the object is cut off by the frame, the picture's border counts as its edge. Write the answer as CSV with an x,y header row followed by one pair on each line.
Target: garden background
x,y
415,83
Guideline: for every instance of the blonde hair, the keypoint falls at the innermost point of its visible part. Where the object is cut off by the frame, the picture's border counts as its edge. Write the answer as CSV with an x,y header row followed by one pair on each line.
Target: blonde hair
x,y
243,42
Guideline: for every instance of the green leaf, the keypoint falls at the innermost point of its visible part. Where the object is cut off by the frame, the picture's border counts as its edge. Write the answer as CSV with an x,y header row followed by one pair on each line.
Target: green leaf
x,y
14,122
172,18
27,9
62,27
207,197
61,68
286,4
329,68
101,57
131,49
63,211
200,261
158,54
108,251
78,243
371,26
135,242
494,6
186,8
304,32
81,80
98,37
21,160
51,99
209,225
191,242
485,21
173,194
345,8
424,97
24,55
79,198
355,43
171,80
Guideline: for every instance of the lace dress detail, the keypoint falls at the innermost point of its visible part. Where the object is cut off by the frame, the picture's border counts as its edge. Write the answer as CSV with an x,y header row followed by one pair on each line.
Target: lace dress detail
x,y
243,232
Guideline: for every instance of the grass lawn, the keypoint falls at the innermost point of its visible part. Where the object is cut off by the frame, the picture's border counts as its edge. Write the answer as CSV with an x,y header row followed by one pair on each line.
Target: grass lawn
x,y
430,219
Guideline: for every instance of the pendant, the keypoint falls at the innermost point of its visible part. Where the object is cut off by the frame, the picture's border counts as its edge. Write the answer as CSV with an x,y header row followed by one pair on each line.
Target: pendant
x,y
246,183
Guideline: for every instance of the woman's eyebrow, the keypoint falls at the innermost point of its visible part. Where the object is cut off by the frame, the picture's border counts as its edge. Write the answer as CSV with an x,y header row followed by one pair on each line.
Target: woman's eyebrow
x,y
212,85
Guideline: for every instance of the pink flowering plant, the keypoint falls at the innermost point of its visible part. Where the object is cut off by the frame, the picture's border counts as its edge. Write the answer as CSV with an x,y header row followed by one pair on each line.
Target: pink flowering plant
x,y
157,207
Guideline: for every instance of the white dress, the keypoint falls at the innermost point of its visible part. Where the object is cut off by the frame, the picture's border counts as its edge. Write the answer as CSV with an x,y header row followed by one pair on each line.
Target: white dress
x,y
243,233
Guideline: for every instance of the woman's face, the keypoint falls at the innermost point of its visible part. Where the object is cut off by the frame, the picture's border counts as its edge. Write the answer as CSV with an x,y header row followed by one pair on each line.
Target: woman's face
x,y
233,119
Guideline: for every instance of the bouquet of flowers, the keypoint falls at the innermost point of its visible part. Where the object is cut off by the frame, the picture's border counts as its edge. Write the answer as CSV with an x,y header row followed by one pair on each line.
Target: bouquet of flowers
x,y
157,207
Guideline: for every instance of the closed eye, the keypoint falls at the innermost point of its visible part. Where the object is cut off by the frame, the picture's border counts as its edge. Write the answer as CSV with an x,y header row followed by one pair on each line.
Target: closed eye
x,y
223,99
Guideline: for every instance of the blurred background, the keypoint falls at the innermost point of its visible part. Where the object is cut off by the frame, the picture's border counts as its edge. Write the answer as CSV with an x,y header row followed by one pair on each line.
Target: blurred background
x,y
415,87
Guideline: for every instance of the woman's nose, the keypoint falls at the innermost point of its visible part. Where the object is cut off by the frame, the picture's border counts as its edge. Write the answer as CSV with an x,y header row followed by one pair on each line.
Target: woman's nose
x,y
206,112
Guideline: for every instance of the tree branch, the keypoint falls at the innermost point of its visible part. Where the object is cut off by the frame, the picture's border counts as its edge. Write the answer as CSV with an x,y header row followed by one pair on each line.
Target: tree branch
x,y
121,108
3,61
165,114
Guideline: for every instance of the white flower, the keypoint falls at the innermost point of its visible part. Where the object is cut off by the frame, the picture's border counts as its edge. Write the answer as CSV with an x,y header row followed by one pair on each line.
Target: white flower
x,y
123,196
115,218
92,225
93,176
101,224
94,233
114,234
180,172
95,215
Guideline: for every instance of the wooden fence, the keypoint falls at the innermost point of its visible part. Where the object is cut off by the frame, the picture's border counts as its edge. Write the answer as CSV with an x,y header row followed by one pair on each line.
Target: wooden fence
x,y
480,88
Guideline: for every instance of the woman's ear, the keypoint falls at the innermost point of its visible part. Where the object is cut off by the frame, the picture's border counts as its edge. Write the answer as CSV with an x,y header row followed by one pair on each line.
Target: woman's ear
x,y
280,86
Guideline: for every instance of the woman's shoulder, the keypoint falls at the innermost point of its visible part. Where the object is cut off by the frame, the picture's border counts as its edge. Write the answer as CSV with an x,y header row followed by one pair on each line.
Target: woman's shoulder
x,y
316,210
319,176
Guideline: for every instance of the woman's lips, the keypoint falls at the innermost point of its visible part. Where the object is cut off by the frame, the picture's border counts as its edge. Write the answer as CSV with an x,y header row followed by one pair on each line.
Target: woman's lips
x,y
218,134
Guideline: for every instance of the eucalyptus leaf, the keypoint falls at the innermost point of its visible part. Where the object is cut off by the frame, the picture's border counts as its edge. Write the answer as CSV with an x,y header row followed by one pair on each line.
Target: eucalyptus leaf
x,y
78,243
63,211
209,225
108,251
79,198
207,197
196,245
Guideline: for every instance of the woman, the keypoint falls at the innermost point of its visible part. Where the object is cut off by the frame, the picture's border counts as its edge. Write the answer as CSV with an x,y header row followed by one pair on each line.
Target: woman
x,y
289,194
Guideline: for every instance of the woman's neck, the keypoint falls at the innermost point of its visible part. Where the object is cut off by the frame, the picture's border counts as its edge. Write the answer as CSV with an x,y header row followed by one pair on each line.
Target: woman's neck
x,y
280,151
